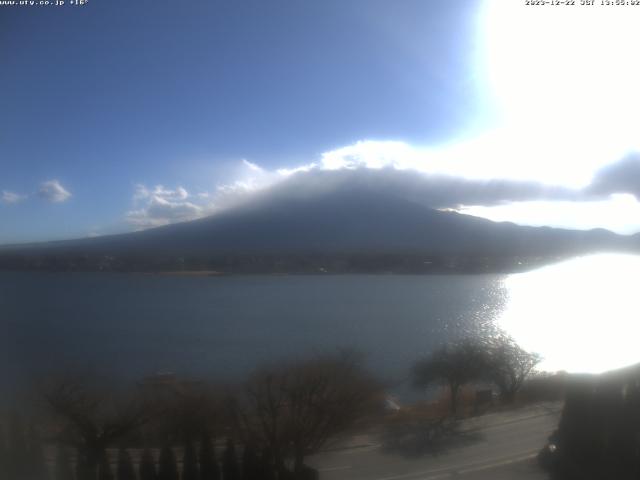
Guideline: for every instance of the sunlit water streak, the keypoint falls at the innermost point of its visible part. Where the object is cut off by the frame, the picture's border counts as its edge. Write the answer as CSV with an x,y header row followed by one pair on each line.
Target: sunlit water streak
x,y
581,314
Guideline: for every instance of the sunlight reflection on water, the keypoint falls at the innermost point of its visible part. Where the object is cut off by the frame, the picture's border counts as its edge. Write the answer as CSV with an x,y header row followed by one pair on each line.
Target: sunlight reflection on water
x,y
581,314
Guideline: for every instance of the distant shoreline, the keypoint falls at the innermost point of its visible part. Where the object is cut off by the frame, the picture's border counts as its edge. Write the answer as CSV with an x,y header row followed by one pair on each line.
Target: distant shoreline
x,y
291,264
186,273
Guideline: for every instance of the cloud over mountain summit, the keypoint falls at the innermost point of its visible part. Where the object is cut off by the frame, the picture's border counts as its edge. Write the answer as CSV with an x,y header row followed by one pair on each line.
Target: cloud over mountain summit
x,y
160,205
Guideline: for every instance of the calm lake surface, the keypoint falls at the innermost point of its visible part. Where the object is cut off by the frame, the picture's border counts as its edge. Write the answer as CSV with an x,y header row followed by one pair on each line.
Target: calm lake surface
x,y
226,326
134,325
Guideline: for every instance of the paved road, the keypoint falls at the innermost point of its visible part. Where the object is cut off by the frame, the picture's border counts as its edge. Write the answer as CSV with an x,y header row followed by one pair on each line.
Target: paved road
x,y
496,446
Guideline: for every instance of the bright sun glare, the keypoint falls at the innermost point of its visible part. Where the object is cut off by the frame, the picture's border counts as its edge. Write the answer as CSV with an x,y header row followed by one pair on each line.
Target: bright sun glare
x,y
581,315
564,82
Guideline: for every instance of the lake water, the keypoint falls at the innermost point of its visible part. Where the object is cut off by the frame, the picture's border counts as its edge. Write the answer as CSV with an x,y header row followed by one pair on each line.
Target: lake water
x,y
581,315
226,326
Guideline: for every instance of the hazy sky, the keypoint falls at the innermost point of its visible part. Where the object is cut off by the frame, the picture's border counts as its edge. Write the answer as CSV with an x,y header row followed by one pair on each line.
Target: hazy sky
x,y
123,114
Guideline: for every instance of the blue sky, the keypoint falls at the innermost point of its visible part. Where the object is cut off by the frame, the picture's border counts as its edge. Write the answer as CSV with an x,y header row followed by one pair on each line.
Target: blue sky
x,y
115,108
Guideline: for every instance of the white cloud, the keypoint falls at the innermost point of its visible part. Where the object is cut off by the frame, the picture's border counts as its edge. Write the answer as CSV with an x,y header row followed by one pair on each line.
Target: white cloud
x,y
161,206
8,197
252,166
396,168
157,206
503,153
345,168
374,154
285,172
53,191
240,187
159,191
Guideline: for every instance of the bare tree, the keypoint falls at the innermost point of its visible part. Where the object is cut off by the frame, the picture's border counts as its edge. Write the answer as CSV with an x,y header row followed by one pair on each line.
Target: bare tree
x,y
453,365
190,408
509,365
292,411
92,418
